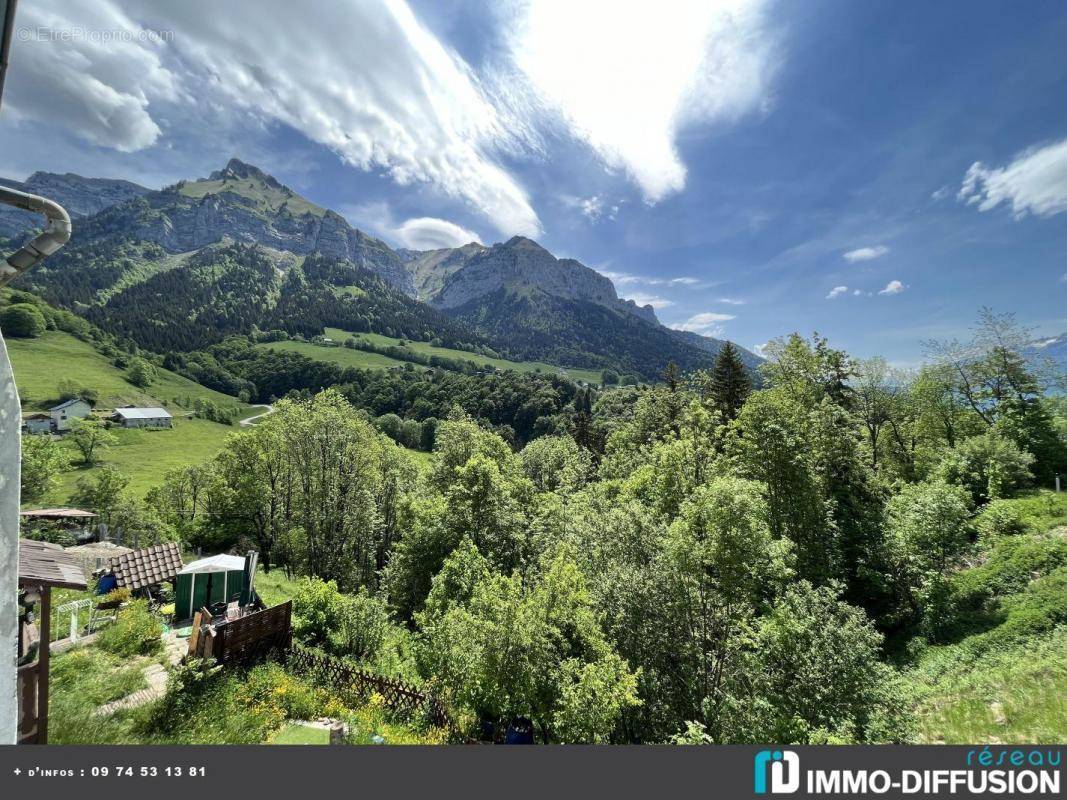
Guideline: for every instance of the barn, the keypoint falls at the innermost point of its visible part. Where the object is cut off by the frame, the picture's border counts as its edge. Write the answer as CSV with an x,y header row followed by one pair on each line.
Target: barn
x,y
142,417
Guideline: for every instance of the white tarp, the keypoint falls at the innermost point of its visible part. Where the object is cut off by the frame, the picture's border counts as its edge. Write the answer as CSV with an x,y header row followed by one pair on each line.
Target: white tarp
x,y
221,563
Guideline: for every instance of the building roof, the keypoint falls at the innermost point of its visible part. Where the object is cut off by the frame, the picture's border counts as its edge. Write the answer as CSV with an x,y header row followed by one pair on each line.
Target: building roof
x,y
148,566
68,403
38,415
222,563
142,413
46,564
57,513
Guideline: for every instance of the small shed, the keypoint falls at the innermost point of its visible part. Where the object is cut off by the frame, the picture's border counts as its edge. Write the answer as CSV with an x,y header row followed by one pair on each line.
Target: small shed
x,y
142,417
217,579
65,412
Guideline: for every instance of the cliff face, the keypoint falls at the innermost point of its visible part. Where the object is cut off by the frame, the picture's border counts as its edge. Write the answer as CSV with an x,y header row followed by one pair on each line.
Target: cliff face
x,y
81,197
518,266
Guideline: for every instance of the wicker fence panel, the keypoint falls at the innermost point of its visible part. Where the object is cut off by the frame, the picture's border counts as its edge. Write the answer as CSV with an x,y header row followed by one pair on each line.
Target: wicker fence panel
x,y
254,638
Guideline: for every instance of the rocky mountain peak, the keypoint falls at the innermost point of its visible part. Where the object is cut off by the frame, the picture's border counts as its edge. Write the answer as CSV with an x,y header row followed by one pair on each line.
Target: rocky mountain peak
x,y
236,169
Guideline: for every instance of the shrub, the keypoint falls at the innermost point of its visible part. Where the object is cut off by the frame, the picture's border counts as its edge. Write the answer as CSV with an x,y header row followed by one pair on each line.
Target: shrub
x,y
974,598
318,608
364,624
999,519
270,685
22,320
135,632
988,466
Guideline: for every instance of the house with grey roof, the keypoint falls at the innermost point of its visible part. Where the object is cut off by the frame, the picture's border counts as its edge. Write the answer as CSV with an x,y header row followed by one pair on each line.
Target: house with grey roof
x,y
68,411
142,417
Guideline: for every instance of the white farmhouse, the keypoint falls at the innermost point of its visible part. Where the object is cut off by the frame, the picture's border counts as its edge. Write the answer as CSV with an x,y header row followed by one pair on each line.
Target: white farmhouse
x,y
64,413
142,417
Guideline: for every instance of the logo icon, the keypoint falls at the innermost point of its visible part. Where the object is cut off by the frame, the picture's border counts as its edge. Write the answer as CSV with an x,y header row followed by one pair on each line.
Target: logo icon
x,y
784,769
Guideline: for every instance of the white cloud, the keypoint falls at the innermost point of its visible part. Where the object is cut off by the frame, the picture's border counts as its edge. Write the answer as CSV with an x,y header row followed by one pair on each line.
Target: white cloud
x,y
361,77
940,194
682,281
649,300
836,292
893,287
731,301
626,78
99,90
707,323
1063,277
431,233
419,233
1035,182
760,349
865,253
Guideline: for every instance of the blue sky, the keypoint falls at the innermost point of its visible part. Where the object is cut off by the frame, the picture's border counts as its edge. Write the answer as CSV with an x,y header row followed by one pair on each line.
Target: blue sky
x,y
872,171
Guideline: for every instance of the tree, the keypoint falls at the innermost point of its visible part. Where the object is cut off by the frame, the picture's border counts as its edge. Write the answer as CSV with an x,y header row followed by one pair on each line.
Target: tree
x,y
22,320
728,385
721,560
556,463
527,647
926,532
141,373
103,492
609,377
811,673
989,466
874,401
90,438
42,460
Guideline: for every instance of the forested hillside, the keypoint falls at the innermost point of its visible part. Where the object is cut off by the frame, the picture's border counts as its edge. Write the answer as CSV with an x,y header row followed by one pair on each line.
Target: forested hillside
x,y
845,554
184,267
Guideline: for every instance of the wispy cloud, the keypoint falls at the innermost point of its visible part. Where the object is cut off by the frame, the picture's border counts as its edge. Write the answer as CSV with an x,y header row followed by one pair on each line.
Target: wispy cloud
x,y
1034,182
731,301
893,287
402,102
707,322
626,278
699,62
592,208
865,253
836,292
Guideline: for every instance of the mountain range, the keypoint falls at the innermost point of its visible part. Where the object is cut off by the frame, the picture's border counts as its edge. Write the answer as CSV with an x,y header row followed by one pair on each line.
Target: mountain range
x,y
239,250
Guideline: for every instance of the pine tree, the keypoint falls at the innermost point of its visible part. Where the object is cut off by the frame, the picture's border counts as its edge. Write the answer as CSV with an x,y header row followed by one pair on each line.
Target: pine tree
x,y
729,384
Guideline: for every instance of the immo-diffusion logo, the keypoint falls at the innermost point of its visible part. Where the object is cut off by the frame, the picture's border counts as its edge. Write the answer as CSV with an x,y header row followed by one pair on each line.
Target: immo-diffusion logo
x,y
784,769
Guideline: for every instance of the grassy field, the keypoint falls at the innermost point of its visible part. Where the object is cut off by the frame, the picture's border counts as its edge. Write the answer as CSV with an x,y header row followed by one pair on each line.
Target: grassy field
x,y
42,364
1012,695
144,455
1005,683
342,356
587,375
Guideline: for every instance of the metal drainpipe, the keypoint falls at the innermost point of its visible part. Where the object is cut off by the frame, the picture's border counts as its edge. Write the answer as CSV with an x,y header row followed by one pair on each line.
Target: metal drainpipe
x,y
55,235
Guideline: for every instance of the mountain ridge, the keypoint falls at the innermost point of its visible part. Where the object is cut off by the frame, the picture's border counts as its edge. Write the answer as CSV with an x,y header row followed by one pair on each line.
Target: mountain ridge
x,y
515,296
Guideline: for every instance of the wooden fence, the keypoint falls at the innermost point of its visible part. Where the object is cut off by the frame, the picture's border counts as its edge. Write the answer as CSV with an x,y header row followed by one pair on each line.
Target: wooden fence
x,y
249,639
399,696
